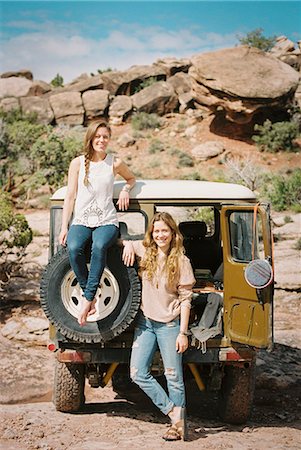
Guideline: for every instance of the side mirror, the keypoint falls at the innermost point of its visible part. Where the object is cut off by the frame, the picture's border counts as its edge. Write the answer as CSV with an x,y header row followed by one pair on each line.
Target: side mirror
x,y
259,273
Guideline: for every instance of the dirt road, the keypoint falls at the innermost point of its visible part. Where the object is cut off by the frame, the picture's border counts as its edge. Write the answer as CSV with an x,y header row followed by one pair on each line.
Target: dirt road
x,y
29,420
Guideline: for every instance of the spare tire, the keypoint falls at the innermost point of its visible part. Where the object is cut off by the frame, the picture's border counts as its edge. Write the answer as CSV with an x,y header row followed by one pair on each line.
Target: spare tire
x,y
118,298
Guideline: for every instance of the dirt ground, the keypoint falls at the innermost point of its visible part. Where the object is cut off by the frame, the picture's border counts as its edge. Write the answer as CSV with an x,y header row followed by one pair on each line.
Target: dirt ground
x,y
29,420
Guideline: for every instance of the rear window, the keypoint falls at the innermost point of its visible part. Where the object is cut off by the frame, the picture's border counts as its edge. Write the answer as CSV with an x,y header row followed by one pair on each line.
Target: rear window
x,y
192,213
241,235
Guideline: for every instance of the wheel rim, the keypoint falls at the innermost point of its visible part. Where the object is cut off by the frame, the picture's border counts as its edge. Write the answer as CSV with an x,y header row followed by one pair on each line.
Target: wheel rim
x,y
107,296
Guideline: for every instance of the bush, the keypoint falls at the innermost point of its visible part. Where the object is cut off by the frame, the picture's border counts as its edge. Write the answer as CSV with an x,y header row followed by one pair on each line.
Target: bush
x,y
274,137
297,245
15,235
256,39
52,154
144,121
146,83
243,171
185,160
284,192
58,81
156,146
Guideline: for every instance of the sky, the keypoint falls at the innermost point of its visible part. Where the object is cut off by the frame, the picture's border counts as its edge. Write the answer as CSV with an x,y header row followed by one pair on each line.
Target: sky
x,y
75,37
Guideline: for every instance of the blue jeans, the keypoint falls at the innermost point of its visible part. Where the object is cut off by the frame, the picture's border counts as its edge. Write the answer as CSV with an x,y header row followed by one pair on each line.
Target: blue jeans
x,y
149,335
78,238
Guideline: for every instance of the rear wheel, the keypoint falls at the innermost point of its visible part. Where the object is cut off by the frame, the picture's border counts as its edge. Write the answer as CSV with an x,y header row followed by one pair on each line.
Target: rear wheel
x,y
237,393
69,384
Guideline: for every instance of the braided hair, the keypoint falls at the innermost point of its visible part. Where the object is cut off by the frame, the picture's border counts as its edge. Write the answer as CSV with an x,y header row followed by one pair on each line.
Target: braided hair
x,y
88,147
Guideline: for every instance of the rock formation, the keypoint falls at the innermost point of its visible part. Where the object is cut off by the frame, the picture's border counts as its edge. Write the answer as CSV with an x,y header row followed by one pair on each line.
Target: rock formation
x,y
238,83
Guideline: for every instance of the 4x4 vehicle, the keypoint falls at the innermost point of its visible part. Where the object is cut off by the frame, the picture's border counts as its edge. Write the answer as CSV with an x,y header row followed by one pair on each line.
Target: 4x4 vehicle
x,y
227,236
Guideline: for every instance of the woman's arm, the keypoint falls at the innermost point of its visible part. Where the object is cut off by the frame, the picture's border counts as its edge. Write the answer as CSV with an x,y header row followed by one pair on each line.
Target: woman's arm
x,y
69,199
122,169
182,339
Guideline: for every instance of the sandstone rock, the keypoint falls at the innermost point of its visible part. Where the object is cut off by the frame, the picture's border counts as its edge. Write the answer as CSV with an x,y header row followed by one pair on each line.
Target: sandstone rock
x,y
242,81
282,46
158,98
84,84
173,65
14,87
9,103
96,103
126,83
120,108
68,108
126,140
39,87
208,150
24,73
38,105
181,82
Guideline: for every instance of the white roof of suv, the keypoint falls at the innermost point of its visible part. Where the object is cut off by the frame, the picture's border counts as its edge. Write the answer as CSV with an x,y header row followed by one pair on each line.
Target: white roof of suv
x,y
179,189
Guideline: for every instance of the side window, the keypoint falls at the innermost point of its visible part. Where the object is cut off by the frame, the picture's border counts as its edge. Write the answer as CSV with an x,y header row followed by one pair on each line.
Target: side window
x,y
132,225
241,235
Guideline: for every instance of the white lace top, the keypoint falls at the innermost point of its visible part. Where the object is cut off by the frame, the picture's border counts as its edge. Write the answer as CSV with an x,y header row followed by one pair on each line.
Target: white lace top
x,y
94,202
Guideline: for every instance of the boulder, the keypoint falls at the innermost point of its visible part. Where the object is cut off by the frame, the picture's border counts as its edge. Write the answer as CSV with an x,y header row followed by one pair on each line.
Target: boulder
x,y
84,84
127,82
158,98
242,81
126,140
172,66
9,104
120,108
38,105
181,82
96,103
24,73
39,87
282,46
14,87
68,108
208,150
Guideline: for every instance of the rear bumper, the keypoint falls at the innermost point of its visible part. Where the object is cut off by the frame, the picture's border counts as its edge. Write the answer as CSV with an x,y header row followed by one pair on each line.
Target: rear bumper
x,y
86,355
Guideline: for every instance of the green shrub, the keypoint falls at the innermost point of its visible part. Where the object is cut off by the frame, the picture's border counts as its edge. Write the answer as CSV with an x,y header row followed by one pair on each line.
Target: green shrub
x,y
146,83
192,176
284,191
274,137
297,245
156,146
52,154
256,39
14,228
144,121
185,160
288,219
58,81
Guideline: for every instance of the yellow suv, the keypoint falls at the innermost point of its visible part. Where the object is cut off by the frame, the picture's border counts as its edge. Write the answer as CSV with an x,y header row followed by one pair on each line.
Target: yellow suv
x,y
227,236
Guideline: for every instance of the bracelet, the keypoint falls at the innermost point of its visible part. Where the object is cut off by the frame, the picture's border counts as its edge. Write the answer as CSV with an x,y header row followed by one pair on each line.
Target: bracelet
x,y
184,333
126,189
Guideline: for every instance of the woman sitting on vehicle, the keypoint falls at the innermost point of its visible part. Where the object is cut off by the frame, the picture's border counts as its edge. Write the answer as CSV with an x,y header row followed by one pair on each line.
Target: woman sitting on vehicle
x,y
167,281
90,197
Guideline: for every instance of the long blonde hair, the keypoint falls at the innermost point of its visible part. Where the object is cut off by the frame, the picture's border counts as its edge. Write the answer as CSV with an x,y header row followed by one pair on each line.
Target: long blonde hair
x,y
88,147
149,262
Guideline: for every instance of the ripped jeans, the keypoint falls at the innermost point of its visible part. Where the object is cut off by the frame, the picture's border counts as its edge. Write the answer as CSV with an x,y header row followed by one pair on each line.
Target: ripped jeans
x,y
149,335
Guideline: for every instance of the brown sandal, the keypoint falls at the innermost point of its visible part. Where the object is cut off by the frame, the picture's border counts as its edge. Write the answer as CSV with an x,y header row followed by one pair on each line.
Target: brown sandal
x,y
172,433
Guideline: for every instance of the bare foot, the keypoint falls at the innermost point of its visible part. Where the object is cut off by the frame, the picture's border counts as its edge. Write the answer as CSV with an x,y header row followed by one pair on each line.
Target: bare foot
x,y
88,308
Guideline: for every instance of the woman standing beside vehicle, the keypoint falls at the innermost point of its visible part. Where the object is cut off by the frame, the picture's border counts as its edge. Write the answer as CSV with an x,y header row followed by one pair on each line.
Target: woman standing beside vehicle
x,y
90,198
167,281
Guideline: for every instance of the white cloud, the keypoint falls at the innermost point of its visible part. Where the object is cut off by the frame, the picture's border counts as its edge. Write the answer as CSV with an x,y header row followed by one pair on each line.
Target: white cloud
x,y
47,53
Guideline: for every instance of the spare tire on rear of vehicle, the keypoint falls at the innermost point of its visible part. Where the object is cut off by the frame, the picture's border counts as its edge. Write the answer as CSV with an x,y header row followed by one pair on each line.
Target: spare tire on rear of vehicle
x,y
118,298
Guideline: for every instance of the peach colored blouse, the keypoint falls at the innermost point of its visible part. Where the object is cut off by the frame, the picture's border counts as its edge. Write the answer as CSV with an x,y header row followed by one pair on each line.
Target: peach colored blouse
x,y
159,302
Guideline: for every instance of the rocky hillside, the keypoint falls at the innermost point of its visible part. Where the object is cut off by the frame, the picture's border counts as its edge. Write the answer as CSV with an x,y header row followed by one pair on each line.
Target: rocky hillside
x,y
242,85
208,106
